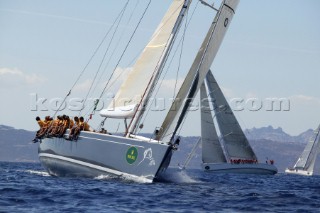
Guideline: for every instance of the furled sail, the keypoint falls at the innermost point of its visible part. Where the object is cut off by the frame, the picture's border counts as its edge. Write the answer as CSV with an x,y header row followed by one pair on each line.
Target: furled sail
x,y
150,62
198,70
308,157
235,142
212,151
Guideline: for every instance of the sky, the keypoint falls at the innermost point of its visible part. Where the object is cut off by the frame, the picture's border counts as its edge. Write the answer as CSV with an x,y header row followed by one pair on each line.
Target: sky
x,y
270,52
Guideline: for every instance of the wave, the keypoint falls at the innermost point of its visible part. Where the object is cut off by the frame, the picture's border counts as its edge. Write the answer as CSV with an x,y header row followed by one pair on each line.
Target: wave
x,y
40,173
178,176
103,177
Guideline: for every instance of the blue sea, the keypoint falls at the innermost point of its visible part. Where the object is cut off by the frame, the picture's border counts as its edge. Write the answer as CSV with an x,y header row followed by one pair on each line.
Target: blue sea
x,y
27,187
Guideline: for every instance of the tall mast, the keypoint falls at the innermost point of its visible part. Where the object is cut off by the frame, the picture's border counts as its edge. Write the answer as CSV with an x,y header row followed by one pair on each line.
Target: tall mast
x,y
198,70
156,74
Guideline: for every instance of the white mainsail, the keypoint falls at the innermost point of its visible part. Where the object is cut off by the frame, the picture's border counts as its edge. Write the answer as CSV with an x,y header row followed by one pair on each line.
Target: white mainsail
x,y
308,157
235,142
137,87
198,70
212,151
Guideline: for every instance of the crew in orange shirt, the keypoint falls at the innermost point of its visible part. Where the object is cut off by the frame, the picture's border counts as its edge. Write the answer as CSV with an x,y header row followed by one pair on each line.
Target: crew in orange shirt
x,y
85,125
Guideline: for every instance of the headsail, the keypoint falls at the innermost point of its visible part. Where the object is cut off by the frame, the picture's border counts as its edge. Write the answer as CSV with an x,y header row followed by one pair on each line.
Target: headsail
x,y
138,85
212,151
198,70
235,142
308,157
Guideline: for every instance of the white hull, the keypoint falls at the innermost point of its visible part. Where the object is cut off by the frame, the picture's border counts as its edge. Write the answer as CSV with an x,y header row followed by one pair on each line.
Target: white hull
x,y
257,168
298,172
95,154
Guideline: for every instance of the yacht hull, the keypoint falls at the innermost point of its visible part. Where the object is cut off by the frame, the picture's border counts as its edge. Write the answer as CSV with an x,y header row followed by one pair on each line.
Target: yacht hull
x,y
298,172
95,154
257,168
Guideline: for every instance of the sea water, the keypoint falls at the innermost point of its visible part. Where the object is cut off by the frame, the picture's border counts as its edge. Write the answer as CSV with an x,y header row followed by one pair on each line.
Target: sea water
x,y
27,187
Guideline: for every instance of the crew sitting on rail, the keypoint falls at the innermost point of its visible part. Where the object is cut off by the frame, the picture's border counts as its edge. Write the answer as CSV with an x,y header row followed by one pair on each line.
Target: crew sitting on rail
x,y
45,127
80,125
71,123
84,124
74,128
243,161
41,124
65,125
56,127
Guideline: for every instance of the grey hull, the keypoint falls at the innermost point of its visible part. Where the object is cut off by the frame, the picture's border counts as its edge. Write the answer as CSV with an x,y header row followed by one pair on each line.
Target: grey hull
x,y
258,168
95,154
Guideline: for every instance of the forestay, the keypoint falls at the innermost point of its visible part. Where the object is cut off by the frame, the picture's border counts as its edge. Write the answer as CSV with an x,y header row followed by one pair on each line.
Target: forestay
x,y
198,70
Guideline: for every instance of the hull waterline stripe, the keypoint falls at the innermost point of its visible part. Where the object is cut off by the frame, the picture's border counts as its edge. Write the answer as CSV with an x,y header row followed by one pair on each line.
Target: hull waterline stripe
x,y
239,168
92,166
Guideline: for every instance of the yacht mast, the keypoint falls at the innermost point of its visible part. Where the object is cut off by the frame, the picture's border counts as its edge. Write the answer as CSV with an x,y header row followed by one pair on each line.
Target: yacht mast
x,y
156,74
198,71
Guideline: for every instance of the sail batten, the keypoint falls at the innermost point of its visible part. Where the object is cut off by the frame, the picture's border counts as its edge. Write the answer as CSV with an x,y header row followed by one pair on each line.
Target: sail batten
x,y
198,70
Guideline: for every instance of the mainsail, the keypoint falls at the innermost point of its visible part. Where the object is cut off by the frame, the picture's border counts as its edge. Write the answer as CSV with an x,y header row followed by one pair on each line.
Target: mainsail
x,y
235,142
212,151
198,70
308,157
136,89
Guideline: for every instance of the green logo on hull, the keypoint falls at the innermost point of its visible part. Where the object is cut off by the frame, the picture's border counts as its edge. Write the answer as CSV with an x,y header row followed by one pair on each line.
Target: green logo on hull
x,y
132,155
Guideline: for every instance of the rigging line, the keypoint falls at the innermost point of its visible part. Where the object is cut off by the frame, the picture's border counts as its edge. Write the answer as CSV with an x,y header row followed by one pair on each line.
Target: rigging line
x,y
156,93
184,120
177,74
138,55
107,50
86,66
139,52
180,127
104,89
158,88
98,99
115,48
185,107
155,76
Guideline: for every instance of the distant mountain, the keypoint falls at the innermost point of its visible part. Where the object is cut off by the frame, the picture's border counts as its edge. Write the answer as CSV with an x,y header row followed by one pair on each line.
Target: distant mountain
x,y
16,145
269,133
268,143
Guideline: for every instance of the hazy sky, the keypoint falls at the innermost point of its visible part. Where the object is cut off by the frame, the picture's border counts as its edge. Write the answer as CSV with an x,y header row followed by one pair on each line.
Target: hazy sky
x,y
272,50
